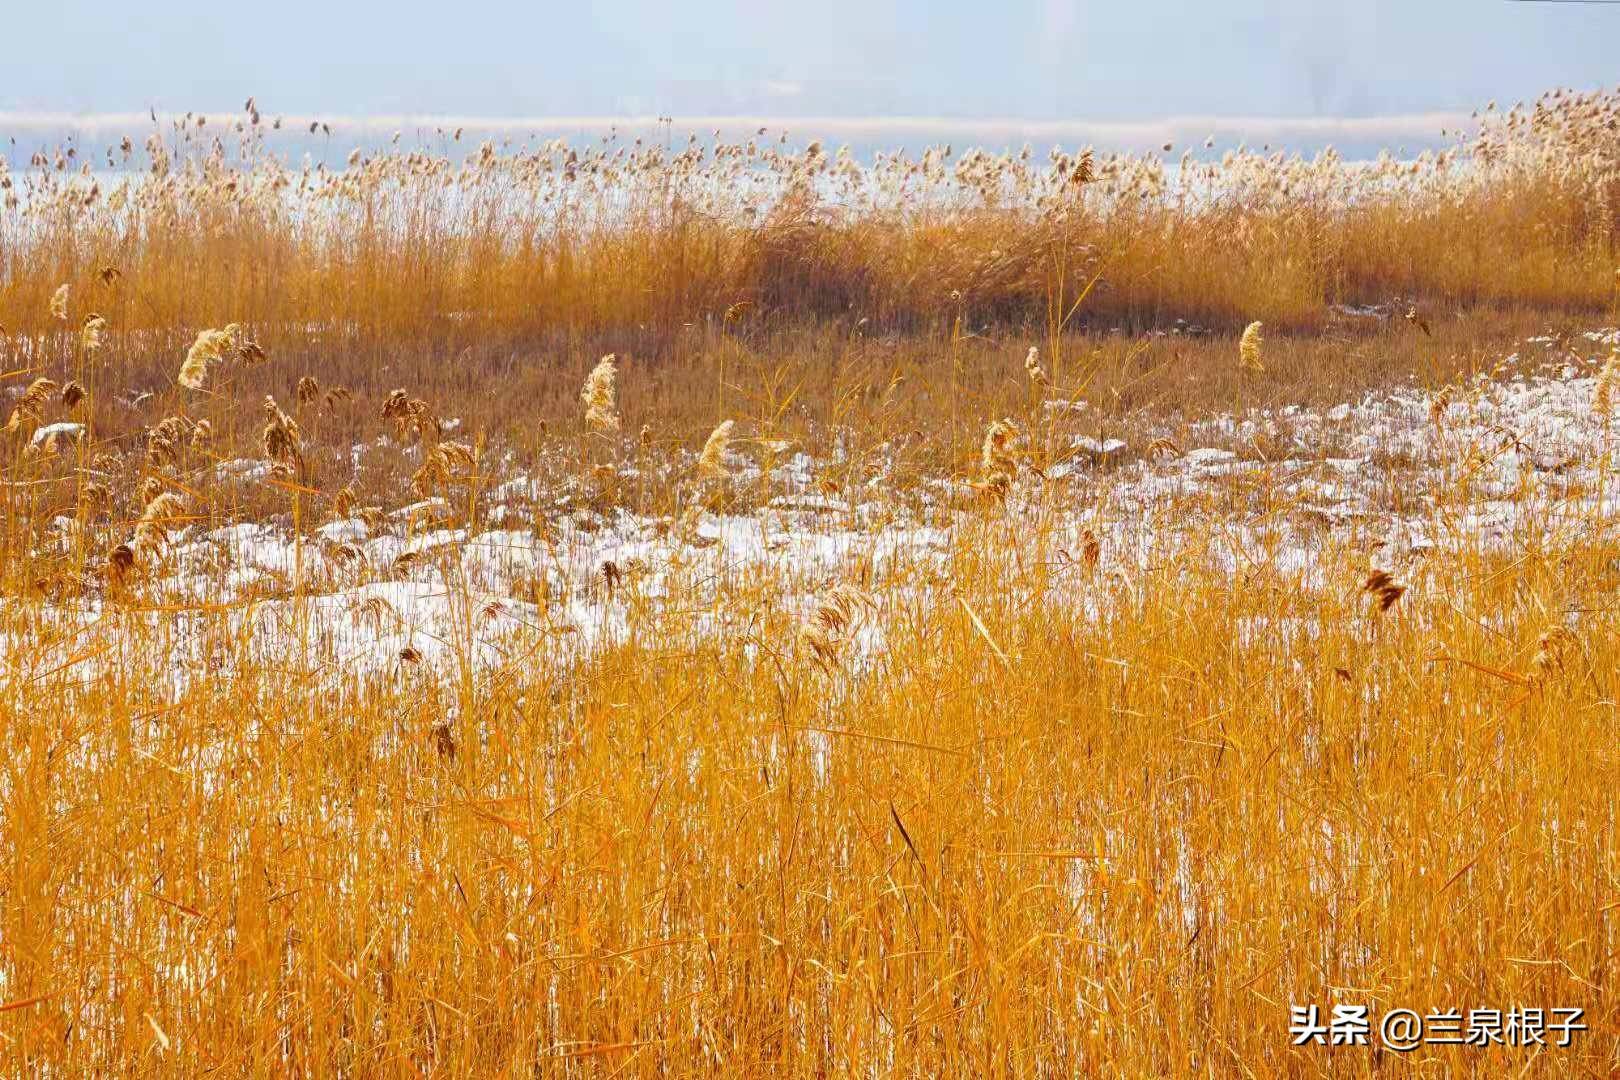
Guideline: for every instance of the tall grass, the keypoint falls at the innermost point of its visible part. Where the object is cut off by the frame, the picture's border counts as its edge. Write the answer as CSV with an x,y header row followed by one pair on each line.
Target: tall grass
x,y
551,240
1061,843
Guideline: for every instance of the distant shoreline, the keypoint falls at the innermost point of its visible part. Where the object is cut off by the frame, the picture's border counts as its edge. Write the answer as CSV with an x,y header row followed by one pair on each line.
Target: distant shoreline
x,y
23,133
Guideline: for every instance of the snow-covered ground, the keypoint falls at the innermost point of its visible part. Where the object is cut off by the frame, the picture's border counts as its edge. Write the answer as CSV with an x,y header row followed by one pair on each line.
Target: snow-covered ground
x,y
1512,456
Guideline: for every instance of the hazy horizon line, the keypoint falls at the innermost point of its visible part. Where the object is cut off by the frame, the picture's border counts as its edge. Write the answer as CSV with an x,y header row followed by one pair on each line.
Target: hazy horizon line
x,y
1181,129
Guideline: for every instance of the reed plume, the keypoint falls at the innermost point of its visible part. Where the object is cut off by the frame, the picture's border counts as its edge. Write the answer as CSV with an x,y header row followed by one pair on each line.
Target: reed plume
x,y
711,461
411,415
836,614
444,464
209,348
1383,589
90,334
995,456
281,440
1032,366
162,515
1249,346
601,411
30,408
164,440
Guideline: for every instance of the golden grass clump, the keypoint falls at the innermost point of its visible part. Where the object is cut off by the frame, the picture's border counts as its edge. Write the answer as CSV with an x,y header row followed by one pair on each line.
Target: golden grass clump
x,y
1518,211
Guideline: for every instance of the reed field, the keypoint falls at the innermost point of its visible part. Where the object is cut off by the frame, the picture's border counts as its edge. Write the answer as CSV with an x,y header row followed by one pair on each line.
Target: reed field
x,y
734,608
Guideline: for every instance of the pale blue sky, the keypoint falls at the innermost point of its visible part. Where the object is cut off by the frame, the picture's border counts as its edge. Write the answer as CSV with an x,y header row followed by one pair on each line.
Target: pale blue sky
x,y
1036,59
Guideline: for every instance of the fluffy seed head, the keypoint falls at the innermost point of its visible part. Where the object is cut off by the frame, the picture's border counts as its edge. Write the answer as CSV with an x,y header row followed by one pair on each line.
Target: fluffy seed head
x,y
282,440
394,405
163,442
165,512
1249,349
1383,589
601,411
30,408
446,463
712,460
836,614
209,348
1032,366
995,458
91,333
